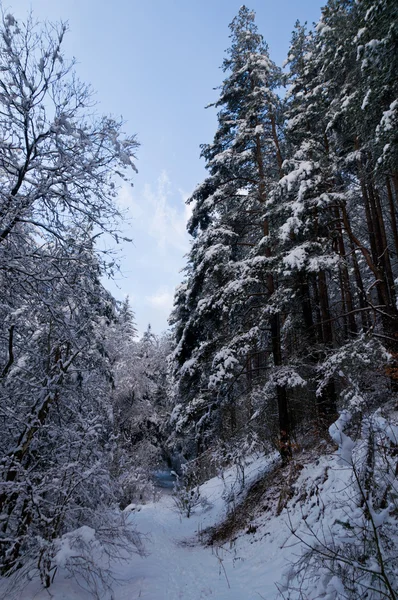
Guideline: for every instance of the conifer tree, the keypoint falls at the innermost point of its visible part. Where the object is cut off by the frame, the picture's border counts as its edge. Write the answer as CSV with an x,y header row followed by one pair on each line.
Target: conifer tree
x,y
225,333
337,236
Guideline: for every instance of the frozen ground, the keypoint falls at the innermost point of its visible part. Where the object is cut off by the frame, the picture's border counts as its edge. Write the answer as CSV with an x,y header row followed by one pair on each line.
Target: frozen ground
x,y
315,497
179,567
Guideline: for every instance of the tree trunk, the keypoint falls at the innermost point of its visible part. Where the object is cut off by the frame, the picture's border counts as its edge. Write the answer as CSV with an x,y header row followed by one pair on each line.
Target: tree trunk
x,y
327,401
281,392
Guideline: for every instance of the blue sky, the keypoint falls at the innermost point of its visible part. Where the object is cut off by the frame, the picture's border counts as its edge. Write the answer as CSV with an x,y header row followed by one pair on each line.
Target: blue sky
x,y
156,63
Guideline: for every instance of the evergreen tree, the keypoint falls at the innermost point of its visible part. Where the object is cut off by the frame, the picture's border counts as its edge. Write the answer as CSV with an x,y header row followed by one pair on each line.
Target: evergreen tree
x,y
336,235
225,333
291,275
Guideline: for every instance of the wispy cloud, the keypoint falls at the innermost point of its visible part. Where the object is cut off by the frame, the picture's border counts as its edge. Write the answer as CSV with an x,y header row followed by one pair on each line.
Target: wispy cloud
x,y
126,200
168,219
157,218
161,300
160,211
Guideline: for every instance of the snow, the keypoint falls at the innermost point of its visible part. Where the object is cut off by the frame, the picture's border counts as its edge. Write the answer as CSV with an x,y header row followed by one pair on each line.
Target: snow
x,y
296,258
322,28
387,122
388,428
373,44
259,562
304,169
379,518
366,100
360,33
66,550
347,100
345,443
9,20
177,566
286,376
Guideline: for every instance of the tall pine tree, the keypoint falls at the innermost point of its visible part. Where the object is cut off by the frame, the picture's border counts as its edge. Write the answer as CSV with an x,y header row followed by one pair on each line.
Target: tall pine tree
x,y
226,335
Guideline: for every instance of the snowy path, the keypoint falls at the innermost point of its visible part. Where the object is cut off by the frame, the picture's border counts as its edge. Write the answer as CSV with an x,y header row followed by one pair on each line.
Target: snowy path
x,y
173,569
178,567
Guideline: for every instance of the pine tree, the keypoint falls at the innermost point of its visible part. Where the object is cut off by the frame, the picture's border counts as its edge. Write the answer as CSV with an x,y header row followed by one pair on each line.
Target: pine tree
x,y
225,334
309,260
336,238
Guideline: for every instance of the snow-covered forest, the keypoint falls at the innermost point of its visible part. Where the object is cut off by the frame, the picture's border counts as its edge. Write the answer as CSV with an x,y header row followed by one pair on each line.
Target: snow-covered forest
x,y
271,401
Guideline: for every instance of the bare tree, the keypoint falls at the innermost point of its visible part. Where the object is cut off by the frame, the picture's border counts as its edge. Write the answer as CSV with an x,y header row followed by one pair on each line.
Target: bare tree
x,y
58,168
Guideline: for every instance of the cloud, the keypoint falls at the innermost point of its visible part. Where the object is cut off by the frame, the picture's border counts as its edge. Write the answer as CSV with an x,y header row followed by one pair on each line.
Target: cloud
x,y
126,200
161,300
160,211
168,220
156,221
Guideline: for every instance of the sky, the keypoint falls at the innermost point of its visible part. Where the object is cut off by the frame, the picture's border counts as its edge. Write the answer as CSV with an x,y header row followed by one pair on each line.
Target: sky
x,y
157,63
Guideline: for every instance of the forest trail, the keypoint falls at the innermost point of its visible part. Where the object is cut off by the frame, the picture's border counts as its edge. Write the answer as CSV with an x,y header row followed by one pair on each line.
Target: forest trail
x,y
176,567
252,566
179,567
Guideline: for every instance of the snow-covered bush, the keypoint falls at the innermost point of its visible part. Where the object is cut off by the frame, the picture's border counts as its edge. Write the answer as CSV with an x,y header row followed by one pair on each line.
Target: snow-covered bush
x,y
355,555
186,494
